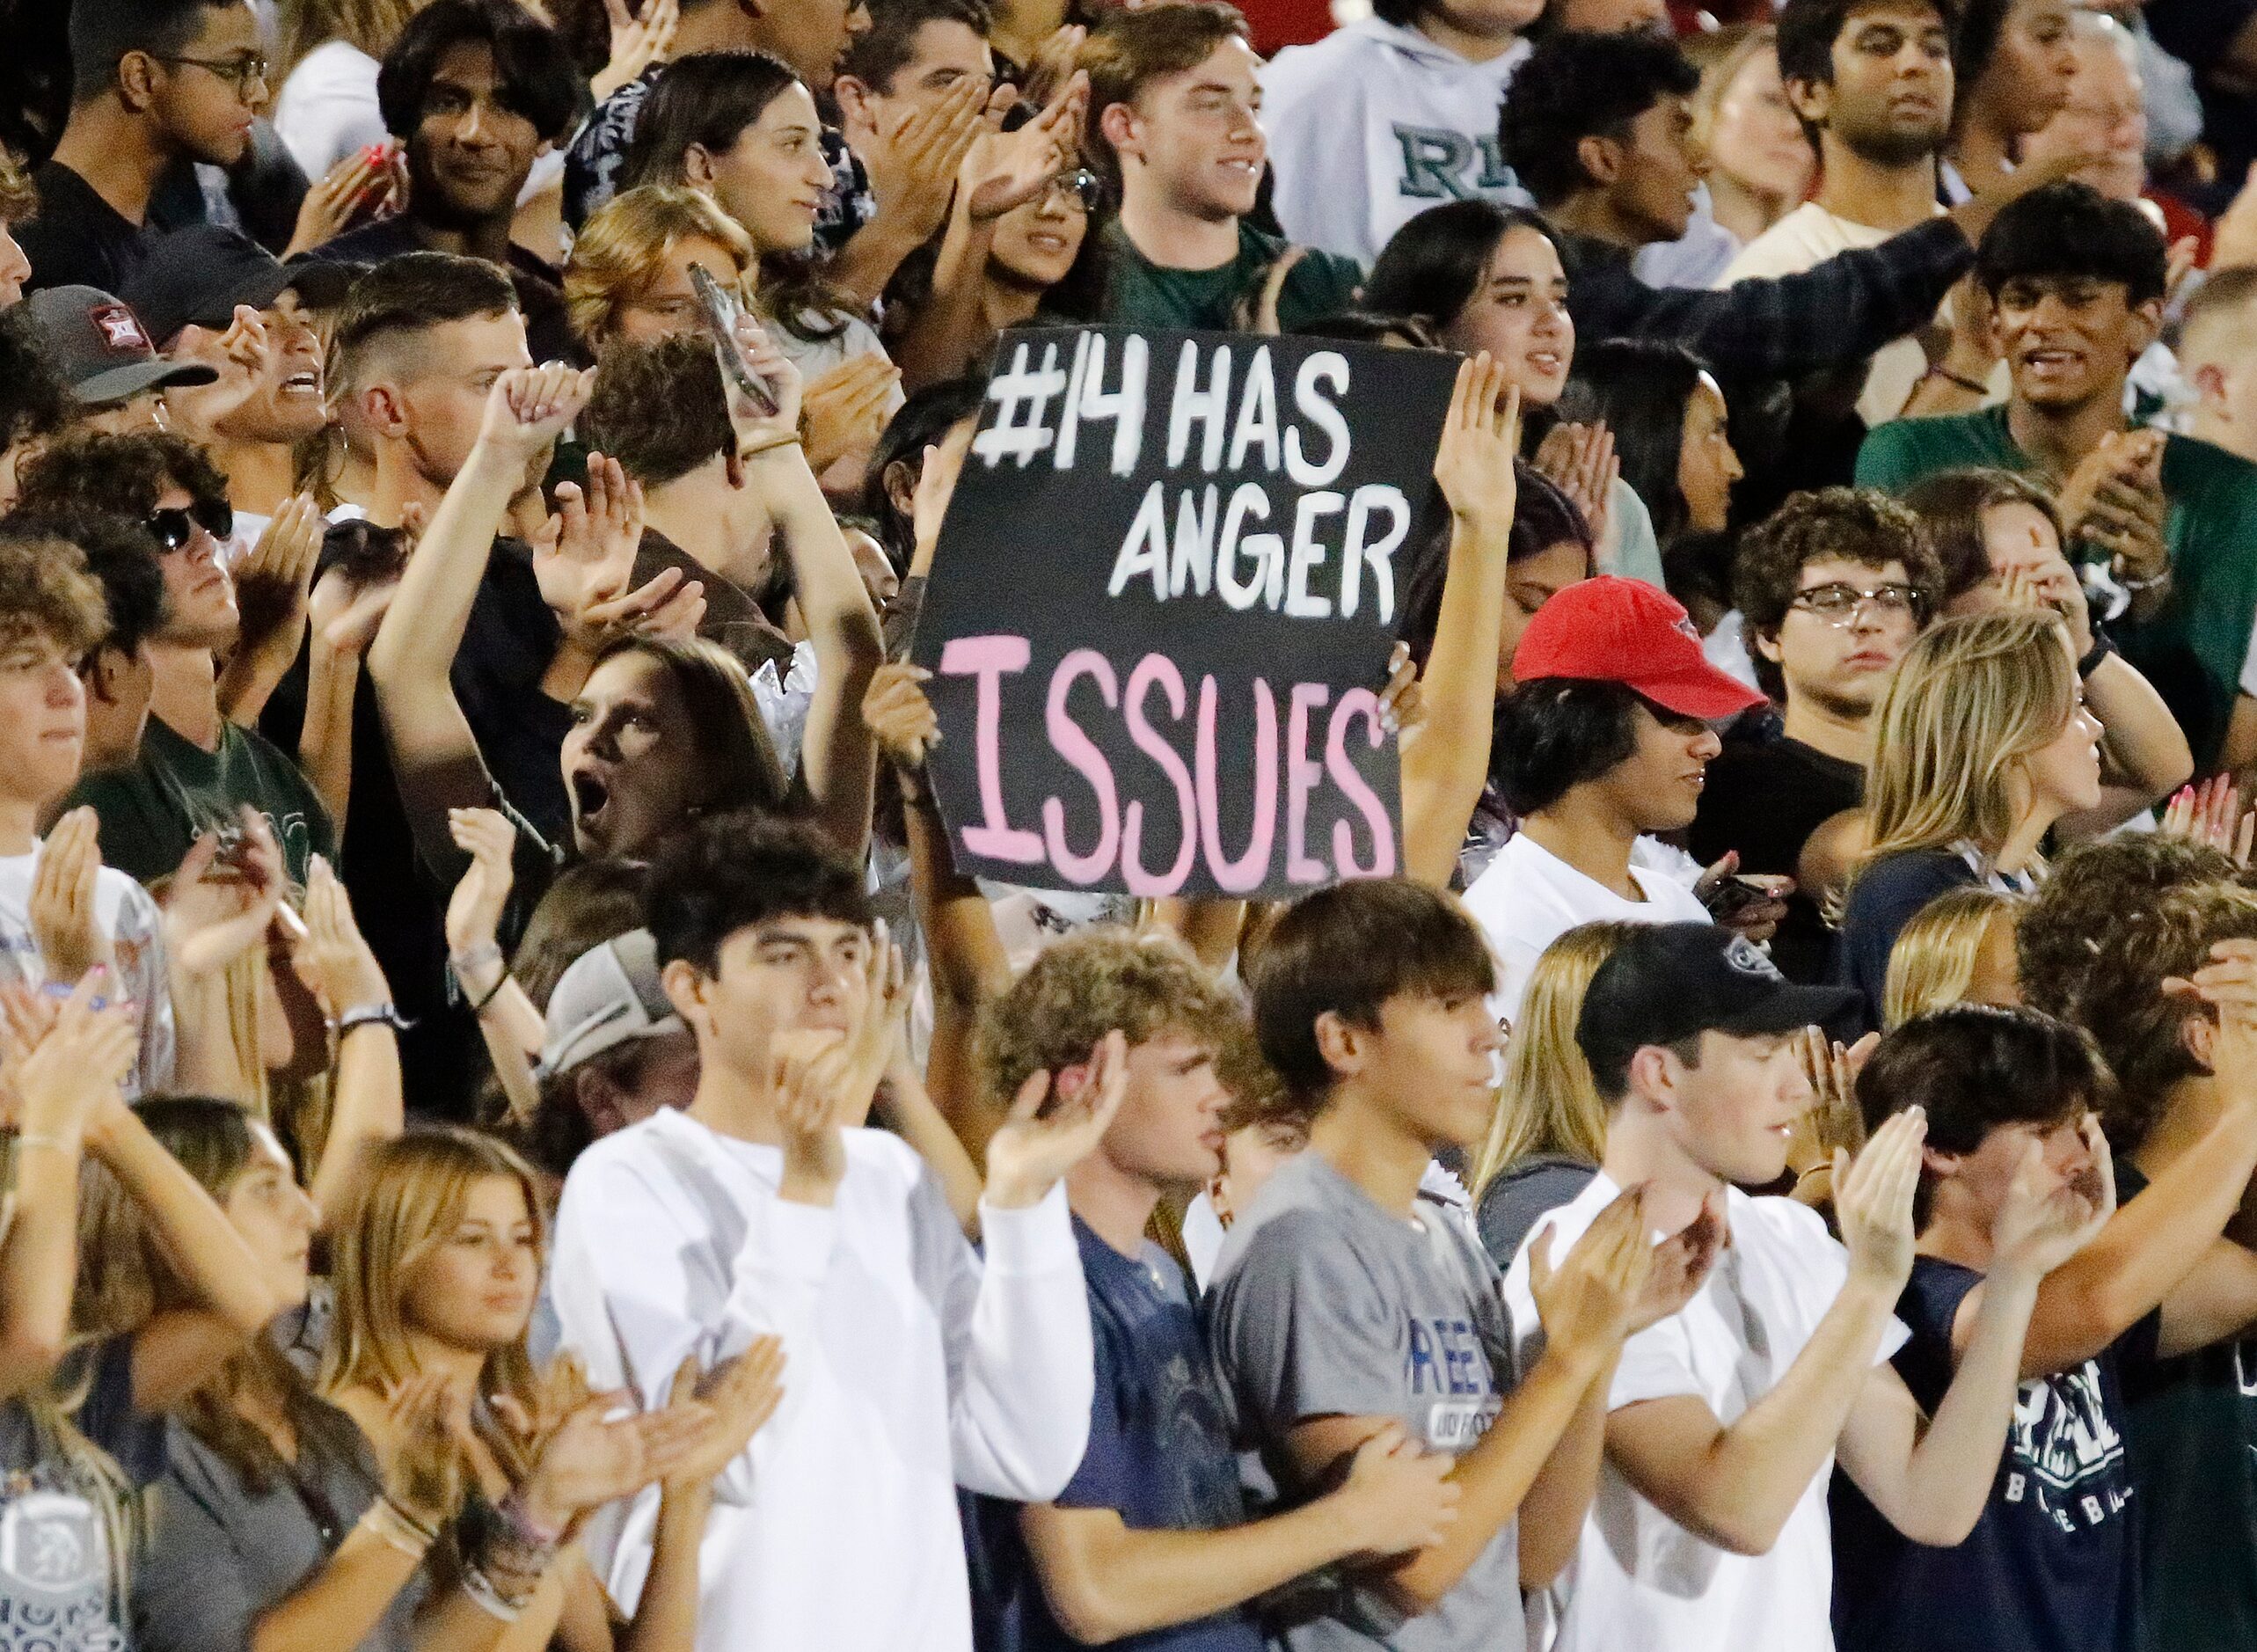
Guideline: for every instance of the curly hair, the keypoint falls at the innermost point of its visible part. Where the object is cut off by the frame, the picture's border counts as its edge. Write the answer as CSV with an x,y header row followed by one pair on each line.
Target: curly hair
x,y
125,474
1850,524
1574,86
1146,985
660,409
2116,920
45,591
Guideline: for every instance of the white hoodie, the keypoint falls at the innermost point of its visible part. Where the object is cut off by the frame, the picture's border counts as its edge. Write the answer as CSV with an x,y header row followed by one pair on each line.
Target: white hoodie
x,y
911,1369
1373,124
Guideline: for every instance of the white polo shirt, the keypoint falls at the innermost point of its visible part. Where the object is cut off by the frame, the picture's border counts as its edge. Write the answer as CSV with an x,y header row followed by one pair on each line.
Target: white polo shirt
x,y
1638,1579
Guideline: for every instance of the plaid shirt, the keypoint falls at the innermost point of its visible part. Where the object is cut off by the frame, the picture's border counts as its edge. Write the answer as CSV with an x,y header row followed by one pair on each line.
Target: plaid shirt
x,y
1838,312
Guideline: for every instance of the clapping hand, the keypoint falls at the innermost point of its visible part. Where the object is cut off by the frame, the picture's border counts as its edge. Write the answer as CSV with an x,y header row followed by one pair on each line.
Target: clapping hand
x,y
737,1397
1581,461
219,904
2041,1226
1033,1151
2211,813
62,1063
1589,1302
334,960
824,1084
66,928
1872,1200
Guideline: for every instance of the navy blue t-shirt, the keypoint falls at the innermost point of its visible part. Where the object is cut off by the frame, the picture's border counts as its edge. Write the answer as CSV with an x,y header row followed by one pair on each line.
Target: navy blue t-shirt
x,y
1159,1438
2052,1566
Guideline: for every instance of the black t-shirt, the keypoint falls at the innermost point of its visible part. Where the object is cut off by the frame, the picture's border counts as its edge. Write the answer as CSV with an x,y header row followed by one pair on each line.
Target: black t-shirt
x,y
2052,1564
1765,795
78,238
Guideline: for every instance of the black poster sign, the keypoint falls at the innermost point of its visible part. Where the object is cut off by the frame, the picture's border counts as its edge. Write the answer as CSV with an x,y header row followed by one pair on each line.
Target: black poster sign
x,y
1162,605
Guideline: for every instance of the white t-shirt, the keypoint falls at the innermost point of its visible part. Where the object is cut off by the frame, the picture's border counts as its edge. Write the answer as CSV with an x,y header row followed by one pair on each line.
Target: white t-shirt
x,y
127,914
1806,238
328,107
1638,1580
1375,123
915,1367
1529,897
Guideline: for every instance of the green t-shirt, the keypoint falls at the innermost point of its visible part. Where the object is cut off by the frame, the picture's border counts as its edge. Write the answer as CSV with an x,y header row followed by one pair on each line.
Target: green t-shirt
x,y
152,810
2193,648
1141,294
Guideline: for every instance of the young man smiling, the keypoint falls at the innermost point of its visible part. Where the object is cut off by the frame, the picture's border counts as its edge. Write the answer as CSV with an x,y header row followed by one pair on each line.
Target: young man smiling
x,y
2076,286
1723,1421
766,1207
1175,115
154,83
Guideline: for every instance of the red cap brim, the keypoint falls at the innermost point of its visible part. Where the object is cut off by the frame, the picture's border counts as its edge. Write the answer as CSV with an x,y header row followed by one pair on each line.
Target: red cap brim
x,y
1704,692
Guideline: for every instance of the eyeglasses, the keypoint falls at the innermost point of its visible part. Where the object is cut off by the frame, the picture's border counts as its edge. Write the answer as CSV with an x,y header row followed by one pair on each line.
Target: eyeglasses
x,y
1839,604
239,72
1082,185
174,529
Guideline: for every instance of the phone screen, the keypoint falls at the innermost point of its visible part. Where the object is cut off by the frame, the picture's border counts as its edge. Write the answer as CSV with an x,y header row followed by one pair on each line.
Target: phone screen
x,y
721,311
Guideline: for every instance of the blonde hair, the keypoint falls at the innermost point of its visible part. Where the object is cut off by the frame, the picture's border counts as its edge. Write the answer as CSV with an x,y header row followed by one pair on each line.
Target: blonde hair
x,y
1932,963
617,255
366,26
1974,699
418,1187
1720,54
1549,1103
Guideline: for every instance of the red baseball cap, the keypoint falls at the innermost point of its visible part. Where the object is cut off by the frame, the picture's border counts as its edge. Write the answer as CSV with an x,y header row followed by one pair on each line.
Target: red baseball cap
x,y
1611,630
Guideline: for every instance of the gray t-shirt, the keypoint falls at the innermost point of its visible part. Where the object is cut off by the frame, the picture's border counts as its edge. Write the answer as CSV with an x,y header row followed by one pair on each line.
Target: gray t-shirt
x,y
220,1554
1324,1305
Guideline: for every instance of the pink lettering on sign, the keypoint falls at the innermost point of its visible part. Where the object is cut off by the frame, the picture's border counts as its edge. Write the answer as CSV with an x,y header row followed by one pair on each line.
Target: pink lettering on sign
x,y
1076,748
1302,774
1358,702
987,659
1240,876
1158,671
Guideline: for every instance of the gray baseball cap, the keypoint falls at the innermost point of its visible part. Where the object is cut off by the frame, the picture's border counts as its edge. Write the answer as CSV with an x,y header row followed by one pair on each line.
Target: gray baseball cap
x,y
100,348
609,995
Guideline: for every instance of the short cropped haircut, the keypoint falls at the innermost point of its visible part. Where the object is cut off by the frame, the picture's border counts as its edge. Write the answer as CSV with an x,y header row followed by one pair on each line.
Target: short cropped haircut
x,y
2097,944
708,99
660,409
102,32
125,474
45,591
1129,50
1808,30
122,557
2069,231
1574,86
884,49
1555,734
1080,989
538,78
1854,525
726,873
411,294
1951,504
2224,295
1975,1069
1348,950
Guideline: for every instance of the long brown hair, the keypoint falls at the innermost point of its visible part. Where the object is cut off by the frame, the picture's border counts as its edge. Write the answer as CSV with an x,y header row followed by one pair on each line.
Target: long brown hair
x,y
735,755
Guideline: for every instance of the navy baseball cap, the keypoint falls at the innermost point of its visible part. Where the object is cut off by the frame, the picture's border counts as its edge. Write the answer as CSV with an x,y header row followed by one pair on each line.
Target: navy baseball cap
x,y
100,347
1669,982
195,277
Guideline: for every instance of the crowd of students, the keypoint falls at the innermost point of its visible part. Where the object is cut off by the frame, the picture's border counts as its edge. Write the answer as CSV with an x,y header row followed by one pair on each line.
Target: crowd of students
x,y
515,1131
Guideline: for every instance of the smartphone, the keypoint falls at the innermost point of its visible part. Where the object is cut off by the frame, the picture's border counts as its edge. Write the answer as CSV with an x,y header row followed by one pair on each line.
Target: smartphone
x,y
1735,895
721,311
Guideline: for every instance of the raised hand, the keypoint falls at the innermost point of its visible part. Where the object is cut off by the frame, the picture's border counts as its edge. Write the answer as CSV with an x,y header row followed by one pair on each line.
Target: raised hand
x,y
1031,1152
1002,170
1832,1119
63,1064
334,960
637,42
912,164
1480,439
354,188
755,430
1872,1200
899,715
219,904
585,554
2211,813
530,408
2040,1227
738,1397
65,926
1589,1302
345,616
475,908
1581,461
1053,63
1398,1497
273,584
845,410
1402,705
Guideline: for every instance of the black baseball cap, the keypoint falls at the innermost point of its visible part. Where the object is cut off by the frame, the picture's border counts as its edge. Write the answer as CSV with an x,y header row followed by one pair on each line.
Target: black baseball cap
x,y
100,347
1669,982
195,277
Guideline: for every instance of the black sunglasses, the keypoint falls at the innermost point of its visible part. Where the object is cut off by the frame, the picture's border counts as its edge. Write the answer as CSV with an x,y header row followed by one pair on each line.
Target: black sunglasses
x,y
174,529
